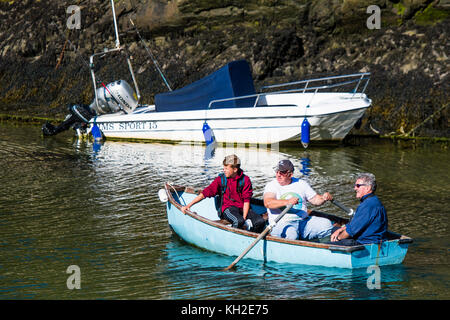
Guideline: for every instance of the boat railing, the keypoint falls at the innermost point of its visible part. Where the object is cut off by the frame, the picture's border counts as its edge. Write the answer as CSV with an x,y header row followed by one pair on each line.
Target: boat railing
x,y
257,95
360,78
327,86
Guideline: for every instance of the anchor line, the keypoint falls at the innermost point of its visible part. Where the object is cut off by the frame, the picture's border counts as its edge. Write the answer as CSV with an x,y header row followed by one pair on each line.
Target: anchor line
x,y
71,45
62,54
74,48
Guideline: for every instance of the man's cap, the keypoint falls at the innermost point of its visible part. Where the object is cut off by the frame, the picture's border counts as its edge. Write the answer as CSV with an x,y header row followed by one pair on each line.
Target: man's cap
x,y
231,159
284,165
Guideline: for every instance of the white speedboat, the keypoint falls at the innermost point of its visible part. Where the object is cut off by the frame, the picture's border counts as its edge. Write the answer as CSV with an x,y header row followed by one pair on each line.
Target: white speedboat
x,y
225,107
254,118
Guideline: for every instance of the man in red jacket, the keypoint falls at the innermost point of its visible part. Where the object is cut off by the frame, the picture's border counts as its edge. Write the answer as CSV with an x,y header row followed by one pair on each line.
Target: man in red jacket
x,y
236,196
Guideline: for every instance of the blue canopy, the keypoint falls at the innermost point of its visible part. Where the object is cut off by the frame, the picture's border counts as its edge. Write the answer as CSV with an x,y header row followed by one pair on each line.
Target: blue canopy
x,y
232,80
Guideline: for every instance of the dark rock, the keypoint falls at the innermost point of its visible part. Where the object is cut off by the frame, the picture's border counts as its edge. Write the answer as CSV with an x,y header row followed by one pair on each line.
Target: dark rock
x,y
41,71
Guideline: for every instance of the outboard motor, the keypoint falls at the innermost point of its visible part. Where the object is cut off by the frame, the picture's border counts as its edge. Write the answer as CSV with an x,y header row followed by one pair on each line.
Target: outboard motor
x,y
78,117
115,97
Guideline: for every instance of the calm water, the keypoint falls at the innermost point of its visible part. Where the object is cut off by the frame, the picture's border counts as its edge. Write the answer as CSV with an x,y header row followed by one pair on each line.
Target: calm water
x,y
66,202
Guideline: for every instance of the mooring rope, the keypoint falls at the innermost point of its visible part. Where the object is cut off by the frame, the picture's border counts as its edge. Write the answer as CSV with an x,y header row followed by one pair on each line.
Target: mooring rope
x,y
426,120
152,57
62,54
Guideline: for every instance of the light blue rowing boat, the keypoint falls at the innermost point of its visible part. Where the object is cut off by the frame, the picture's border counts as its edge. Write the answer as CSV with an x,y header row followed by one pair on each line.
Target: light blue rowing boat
x,y
203,228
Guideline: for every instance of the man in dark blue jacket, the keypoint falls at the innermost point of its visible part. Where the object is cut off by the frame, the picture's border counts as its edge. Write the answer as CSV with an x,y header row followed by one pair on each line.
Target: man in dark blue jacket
x,y
370,223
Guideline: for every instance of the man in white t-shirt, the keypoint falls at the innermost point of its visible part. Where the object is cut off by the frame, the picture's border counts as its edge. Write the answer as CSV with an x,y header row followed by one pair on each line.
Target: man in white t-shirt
x,y
286,189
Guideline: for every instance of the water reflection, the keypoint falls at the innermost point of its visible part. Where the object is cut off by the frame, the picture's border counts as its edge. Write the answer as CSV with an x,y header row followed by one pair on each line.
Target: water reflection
x,y
181,164
305,162
198,272
210,150
96,146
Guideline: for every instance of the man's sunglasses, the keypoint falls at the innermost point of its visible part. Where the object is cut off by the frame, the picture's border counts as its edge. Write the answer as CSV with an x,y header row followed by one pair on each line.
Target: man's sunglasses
x,y
357,185
283,173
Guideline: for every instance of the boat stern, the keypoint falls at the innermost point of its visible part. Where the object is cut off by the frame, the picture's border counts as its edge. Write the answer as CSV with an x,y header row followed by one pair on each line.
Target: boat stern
x,y
381,254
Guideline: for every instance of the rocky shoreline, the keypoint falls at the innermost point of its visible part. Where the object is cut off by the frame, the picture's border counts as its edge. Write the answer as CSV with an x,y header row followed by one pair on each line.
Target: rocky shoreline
x,y
41,73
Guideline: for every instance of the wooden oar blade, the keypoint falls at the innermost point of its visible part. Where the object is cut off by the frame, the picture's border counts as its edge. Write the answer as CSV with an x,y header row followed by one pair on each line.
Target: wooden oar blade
x,y
342,207
262,235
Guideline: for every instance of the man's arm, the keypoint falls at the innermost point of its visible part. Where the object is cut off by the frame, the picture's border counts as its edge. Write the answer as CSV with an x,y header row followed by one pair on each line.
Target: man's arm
x,y
245,210
209,191
340,234
271,202
198,198
318,199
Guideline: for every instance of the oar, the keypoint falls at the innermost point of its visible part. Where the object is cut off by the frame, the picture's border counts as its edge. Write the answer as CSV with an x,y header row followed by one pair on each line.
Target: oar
x,y
262,235
341,206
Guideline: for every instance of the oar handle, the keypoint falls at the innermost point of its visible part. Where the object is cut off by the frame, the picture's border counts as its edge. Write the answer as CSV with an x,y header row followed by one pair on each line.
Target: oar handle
x,y
341,206
278,218
262,235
